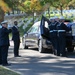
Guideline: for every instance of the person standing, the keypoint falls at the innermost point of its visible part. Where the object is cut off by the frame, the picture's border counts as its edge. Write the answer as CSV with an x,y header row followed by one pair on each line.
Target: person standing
x,y
62,29
4,43
53,33
16,39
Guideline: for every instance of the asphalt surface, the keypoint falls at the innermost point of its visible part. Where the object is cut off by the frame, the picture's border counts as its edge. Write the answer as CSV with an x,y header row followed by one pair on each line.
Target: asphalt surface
x,y
32,62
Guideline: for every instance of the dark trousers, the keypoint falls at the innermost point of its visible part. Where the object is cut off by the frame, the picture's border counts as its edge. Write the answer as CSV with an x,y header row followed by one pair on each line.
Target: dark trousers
x,y
54,40
3,54
0,56
16,48
62,43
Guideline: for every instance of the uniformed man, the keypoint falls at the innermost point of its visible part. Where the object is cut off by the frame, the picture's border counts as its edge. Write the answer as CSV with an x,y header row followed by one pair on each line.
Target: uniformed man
x,y
4,43
53,33
62,28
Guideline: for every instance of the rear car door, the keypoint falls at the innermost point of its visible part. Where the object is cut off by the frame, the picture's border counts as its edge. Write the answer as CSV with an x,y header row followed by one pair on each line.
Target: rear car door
x,y
44,28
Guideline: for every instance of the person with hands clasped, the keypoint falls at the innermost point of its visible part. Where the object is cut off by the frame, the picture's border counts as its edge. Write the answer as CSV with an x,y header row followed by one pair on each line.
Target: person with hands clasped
x,y
16,39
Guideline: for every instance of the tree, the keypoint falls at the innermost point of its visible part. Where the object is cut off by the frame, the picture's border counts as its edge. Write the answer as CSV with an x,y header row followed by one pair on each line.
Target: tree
x,y
3,8
61,4
71,3
32,6
46,5
56,3
7,6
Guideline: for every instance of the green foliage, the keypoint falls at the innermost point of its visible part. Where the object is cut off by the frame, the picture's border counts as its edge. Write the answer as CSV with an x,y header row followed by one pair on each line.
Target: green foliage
x,y
72,3
21,30
46,1
27,5
9,3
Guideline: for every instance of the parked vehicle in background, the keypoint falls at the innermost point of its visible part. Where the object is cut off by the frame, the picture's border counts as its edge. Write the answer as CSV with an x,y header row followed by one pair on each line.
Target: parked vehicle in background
x,y
33,38
70,37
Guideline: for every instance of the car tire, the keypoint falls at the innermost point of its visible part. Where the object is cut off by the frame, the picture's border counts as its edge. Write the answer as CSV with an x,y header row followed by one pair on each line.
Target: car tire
x,y
25,47
24,44
70,49
50,50
40,46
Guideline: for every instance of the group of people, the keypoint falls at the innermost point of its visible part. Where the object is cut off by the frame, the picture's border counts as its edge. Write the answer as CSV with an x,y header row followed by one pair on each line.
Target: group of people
x,y
4,41
57,32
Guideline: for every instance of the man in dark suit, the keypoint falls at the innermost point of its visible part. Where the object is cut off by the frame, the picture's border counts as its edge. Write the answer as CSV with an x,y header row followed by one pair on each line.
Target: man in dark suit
x,y
16,39
4,43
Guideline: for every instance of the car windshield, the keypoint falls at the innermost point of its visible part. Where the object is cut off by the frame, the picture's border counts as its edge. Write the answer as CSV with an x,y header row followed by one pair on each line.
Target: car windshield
x,y
35,27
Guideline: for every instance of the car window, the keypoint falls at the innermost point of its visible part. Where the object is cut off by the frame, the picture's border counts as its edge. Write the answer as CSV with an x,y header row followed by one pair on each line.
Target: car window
x,y
30,30
33,29
46,24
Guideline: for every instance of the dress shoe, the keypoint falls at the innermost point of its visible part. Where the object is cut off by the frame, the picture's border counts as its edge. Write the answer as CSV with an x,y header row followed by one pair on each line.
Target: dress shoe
x,y
63,55
6,64
17,56
58,54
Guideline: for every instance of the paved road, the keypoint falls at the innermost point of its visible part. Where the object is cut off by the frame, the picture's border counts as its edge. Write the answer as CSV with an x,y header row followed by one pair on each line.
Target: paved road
x,y
34,63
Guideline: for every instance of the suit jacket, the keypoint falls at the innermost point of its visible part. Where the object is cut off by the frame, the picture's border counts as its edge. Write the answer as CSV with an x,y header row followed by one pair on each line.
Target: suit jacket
x,y
4,36
15,34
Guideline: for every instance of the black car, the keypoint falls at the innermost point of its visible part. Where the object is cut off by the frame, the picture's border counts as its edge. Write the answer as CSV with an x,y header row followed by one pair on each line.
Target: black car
x,y
33,37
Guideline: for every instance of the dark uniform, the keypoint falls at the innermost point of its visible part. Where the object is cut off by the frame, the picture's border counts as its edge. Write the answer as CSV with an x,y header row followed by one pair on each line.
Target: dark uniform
x,y
16,40
53,36
4,45
62,28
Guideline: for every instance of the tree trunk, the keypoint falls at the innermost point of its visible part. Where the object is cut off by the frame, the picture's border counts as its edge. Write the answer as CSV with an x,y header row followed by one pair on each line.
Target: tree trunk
x,y
61,10
49,12
33,17
1,15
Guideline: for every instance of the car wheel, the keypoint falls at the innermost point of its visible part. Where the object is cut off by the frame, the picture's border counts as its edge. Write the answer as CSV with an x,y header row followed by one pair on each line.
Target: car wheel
x,y
50,50
40,47
70,49
24,44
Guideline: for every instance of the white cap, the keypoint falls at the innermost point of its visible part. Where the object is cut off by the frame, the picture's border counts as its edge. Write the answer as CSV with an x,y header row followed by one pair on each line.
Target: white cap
x,y
4,22
62,17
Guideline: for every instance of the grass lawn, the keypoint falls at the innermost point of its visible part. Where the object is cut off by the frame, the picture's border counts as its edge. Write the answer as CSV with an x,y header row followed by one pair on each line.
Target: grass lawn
x,y
5,71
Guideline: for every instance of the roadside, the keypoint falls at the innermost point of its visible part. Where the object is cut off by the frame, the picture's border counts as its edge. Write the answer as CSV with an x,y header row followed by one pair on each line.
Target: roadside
x,y
6,71
34,63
